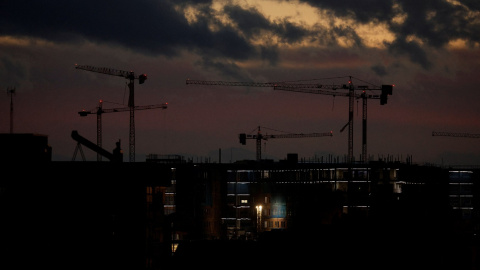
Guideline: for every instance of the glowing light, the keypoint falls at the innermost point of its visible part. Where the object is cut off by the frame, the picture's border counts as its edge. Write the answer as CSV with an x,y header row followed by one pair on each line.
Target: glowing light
x,y
259,216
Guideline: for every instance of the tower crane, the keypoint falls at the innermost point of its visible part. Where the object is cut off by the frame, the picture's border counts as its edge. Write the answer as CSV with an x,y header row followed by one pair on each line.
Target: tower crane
x,y
455,134
331,89
325,89
130,75
259,137
99,111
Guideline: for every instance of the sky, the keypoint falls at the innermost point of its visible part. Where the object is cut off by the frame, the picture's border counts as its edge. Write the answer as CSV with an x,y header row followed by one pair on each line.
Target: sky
x,y
430,51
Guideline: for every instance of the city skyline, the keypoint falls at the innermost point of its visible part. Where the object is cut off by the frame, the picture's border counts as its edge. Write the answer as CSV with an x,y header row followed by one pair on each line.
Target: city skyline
x,y
429,51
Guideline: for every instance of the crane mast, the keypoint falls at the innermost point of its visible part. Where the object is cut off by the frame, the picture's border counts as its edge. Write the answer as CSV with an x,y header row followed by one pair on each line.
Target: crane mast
x,y
130,75
324,89
11,93
331,89
259,137
99,111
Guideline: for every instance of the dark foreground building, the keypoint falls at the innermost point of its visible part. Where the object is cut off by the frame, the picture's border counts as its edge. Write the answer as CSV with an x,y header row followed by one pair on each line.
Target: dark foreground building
x,y
377,215
75,214
167,213
152,215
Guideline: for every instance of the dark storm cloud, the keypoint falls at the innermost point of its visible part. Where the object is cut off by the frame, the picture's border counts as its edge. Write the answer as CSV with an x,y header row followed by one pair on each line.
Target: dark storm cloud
x,y
363,11
161,27
471,4
348,32
249,21
434,22
379,70
13,71
252,23
437,22
148,25
269,53
225,68
155,27
290,32
413,49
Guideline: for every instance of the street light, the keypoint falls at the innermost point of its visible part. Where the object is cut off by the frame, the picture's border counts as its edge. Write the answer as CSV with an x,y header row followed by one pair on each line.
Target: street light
x,y
259,217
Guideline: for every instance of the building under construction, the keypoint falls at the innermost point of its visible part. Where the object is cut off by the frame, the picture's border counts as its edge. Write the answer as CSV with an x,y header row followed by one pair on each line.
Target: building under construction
x,y
167,212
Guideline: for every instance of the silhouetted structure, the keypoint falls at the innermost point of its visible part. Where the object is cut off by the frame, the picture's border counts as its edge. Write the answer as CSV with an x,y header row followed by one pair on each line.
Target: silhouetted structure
x,y
77,214
380,215
157,214
25,147
115,156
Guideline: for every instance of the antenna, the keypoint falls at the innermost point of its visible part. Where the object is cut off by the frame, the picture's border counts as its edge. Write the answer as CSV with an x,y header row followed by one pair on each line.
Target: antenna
x,y
11,93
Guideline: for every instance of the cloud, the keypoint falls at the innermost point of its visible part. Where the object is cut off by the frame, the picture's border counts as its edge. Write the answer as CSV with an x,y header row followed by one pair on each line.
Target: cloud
x,y
433,23
269,53
436,21
363,11
379,70
415,52
232,34
249,21
152,27
226,69
14,71
471,4
147,25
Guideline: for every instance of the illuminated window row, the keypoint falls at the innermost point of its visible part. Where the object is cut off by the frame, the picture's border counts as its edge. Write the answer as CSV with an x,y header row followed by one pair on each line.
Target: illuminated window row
x,y
237,219
241,183
462,183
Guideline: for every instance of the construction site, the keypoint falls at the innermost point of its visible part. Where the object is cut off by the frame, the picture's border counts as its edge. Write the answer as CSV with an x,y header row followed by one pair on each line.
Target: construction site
x,y
170,211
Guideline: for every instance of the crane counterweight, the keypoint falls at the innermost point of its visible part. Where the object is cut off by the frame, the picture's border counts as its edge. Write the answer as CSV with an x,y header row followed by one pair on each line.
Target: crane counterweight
x,y
324,89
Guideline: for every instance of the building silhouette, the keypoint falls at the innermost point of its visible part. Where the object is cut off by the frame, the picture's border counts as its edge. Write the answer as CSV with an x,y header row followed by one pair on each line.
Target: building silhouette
x,y
169,212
